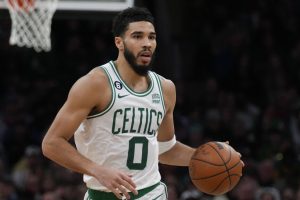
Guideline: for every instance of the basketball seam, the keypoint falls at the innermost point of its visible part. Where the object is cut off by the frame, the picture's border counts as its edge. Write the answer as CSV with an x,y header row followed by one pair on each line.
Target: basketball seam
x,y
219,184
228,177
220,154
193,158
203,178
225,164
205,161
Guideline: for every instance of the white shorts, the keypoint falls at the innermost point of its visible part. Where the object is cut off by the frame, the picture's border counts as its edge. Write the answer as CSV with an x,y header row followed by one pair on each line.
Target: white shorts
x,y
158,193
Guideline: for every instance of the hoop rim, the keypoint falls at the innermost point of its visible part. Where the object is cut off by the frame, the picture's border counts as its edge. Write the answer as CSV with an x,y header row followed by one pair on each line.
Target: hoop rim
x,y
85,5
20,4
51,4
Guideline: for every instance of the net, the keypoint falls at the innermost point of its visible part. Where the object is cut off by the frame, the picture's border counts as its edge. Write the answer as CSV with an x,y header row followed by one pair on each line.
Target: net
x,y
31,23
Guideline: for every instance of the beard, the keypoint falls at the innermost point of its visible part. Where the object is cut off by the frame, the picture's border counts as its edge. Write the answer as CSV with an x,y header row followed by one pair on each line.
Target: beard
x,y
139,69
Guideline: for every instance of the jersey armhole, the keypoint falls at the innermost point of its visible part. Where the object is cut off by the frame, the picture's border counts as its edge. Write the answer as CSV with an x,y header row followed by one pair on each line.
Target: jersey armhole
x,y
112,101
160,90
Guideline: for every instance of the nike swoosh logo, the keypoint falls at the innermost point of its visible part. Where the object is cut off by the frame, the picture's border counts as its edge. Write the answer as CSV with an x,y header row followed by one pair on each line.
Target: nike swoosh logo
x,y
122,96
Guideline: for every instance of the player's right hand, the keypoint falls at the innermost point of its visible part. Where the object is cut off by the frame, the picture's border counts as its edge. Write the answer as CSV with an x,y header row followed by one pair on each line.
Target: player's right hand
x,y
116,181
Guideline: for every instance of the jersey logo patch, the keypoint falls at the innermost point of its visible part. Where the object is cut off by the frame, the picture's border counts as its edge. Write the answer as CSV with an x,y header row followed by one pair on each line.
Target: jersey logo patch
x,y
122,96
155,98
118,85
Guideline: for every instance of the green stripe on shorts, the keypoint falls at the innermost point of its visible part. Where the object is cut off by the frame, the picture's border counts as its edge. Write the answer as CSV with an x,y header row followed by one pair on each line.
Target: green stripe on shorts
x,y
100,195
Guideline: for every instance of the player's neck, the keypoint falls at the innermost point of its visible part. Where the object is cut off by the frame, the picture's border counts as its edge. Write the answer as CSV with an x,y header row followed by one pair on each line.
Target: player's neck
x,y
135,81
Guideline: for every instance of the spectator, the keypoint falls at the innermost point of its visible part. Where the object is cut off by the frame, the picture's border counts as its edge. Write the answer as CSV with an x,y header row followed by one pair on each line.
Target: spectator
x,y
267,193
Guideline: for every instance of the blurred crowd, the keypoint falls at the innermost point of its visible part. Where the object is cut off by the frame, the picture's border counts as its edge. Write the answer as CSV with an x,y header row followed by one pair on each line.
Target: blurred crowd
x,y
238,81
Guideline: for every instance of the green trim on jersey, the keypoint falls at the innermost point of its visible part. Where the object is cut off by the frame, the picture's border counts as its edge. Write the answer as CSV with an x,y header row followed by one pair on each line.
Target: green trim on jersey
x,y
139,94
160,91
166,189
112,101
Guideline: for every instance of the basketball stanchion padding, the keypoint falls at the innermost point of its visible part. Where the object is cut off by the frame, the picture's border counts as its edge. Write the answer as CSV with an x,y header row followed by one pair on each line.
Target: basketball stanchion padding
x,y
31,23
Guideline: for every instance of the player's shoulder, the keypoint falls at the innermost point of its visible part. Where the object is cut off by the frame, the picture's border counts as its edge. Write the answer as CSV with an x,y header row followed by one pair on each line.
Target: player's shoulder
x,y
95,80
168,85
169,92
95,77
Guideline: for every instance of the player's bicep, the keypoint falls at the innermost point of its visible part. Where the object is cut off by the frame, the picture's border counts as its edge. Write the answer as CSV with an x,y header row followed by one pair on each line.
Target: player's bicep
x,y
78,105
68,119
166,129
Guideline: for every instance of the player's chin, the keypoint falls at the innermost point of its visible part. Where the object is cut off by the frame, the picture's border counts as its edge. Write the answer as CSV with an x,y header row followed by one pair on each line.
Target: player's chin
x,y
143,65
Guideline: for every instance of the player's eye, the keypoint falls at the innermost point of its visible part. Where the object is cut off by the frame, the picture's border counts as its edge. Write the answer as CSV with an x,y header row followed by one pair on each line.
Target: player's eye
x,y
152,37
136,36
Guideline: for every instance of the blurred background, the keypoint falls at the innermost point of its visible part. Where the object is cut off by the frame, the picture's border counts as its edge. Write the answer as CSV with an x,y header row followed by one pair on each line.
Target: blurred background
x,y
236,65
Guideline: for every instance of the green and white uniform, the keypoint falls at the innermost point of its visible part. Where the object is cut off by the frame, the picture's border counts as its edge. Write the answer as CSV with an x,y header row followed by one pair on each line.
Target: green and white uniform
x,y
124,135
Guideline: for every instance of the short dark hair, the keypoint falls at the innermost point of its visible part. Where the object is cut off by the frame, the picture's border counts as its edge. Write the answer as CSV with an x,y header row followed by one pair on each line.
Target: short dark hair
x,y
129,15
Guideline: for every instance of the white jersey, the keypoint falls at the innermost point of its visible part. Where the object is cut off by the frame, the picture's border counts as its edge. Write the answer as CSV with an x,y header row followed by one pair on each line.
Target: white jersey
x,y
124,135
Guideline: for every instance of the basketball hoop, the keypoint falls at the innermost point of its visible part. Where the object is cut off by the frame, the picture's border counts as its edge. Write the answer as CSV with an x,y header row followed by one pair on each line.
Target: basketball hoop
x,y
31,23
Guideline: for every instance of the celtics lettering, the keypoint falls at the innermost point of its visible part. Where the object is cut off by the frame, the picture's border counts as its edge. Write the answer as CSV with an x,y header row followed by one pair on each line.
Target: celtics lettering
x,y
136,120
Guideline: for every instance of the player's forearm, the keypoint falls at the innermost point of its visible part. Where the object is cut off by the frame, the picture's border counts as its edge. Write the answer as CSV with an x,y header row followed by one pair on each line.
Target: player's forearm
x,y
179,155
62,152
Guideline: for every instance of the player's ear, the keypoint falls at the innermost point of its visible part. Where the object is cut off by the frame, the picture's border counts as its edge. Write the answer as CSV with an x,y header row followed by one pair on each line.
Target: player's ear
x,y
119,43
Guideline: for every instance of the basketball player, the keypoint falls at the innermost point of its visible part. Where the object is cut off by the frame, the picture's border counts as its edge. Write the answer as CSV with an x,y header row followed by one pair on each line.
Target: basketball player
x,y
121,116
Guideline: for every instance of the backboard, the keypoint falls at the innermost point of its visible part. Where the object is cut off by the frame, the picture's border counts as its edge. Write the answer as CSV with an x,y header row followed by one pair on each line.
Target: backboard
x,y
89,5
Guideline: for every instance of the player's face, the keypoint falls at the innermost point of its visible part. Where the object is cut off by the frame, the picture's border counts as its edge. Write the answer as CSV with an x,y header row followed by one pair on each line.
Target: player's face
x,y
139,46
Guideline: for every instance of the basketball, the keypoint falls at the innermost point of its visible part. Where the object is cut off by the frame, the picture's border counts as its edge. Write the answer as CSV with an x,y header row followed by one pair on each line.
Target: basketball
x,y
215,168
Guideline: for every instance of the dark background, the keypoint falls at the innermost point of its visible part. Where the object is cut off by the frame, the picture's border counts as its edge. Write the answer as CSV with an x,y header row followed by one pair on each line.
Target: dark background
x,y
236,66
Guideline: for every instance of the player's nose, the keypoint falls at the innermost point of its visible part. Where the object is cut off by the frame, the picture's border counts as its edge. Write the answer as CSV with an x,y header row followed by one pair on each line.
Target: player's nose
x,y
147,43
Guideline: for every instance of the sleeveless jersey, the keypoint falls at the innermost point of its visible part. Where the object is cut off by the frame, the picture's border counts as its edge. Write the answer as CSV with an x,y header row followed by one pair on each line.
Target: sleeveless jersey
x,y
124,135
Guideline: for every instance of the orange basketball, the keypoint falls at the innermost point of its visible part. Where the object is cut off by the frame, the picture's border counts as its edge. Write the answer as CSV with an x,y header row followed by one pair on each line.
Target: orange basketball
x,y
215,168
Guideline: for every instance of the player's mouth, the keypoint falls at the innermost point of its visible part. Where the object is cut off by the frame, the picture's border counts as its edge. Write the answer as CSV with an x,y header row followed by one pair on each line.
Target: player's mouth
x,y
145,56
